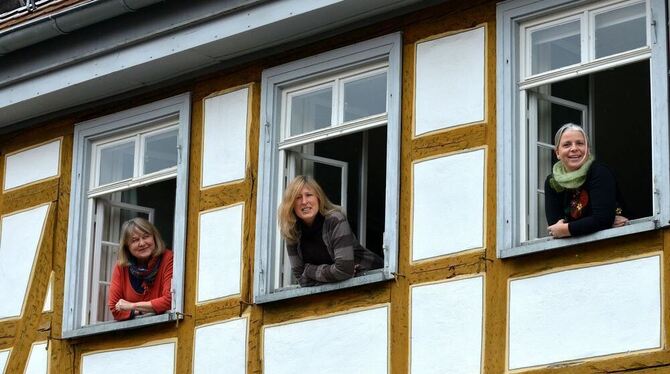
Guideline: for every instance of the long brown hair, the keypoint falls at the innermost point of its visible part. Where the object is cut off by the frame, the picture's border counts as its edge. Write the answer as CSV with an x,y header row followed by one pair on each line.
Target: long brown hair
x,y
127,231
286,216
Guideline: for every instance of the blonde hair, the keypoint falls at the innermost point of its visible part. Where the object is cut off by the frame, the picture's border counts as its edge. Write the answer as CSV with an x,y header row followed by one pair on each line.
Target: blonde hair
x,y
286,216
127,231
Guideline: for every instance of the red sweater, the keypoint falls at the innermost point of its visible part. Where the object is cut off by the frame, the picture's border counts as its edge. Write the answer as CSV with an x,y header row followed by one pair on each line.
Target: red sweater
x,y
159,293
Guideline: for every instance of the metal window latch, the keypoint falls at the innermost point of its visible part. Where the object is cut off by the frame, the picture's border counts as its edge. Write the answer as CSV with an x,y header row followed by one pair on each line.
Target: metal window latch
x,y
653,31
30,5
267,132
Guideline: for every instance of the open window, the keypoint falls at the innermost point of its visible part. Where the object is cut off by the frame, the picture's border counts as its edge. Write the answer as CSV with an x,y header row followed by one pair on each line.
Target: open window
x,y
599,64
333,116
130,164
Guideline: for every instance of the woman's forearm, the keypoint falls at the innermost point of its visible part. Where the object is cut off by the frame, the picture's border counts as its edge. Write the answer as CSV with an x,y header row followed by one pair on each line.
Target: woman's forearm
x,y
139,306
144,307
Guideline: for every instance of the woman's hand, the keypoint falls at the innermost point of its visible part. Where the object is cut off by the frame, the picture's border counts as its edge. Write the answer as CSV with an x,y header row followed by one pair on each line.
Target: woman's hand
x,y
122,305
559,229
620,221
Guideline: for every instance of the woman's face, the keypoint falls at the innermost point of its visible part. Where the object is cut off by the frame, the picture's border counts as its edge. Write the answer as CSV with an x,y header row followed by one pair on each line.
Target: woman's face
x,y
142,245
572,150
306,205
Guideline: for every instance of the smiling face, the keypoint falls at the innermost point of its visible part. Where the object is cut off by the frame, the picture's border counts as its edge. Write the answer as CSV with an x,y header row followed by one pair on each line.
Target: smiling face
x,y
306,205
572,150
141,245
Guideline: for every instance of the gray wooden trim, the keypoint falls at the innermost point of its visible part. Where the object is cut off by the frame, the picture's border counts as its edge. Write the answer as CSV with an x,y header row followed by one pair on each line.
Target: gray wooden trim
x,y
659,113
385,48
287,293
85,134
103,327
548,243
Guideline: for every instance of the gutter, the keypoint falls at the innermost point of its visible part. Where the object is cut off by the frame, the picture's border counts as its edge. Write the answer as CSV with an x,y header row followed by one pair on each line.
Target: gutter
x,y
66,21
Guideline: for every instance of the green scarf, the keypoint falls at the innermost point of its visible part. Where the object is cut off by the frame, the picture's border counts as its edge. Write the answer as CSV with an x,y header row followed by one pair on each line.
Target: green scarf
x,y
562,179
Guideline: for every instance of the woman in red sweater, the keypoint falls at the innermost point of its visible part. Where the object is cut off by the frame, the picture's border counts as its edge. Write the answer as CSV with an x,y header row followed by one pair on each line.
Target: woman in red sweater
x,y
142,277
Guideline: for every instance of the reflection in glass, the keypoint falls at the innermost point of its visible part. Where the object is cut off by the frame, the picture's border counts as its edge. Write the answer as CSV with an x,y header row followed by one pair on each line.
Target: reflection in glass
x,y
541,218
620,30
545,162
116,162
160,151
555,47
108,259
311,111
365,97
328,175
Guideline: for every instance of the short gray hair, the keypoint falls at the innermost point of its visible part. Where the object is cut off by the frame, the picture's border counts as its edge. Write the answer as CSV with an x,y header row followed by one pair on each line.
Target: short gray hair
x,y
569,126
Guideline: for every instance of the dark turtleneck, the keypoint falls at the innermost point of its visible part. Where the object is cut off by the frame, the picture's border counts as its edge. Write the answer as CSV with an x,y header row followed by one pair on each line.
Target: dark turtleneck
x,y
313,248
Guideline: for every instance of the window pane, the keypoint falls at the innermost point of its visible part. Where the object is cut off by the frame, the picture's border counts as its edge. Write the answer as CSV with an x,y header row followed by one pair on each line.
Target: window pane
x,y
365,97
108,259
114,219
545,163
541,218
116,163
555,47
8,5
311,111
620,30
160,151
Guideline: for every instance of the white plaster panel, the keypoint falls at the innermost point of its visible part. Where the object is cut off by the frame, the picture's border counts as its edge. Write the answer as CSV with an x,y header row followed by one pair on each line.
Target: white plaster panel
x,y
449,81
157,359
356,342
47,299
446,333
19,240
32,165
221,348
38,360
448,205
225,137
586,312
4,357
220,253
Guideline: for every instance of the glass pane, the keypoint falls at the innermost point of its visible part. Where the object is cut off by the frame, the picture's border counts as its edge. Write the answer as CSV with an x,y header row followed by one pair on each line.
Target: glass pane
x,y
545,162
620,30
328,176
114,219
555,47
541,217
160,151
311,111
365,97
9,5
116,162
552,116
103,313
108,259
544,130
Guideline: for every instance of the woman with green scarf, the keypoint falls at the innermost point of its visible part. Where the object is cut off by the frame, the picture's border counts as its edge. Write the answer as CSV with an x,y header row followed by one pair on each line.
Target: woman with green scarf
x,y
581,194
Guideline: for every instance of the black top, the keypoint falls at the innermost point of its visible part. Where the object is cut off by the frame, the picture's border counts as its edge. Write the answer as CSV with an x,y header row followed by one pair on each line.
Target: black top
x,y
587,209
314,250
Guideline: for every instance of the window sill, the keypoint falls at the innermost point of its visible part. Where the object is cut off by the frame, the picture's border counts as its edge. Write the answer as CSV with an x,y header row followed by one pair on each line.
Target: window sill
x,y
104,327
291,292
544,244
